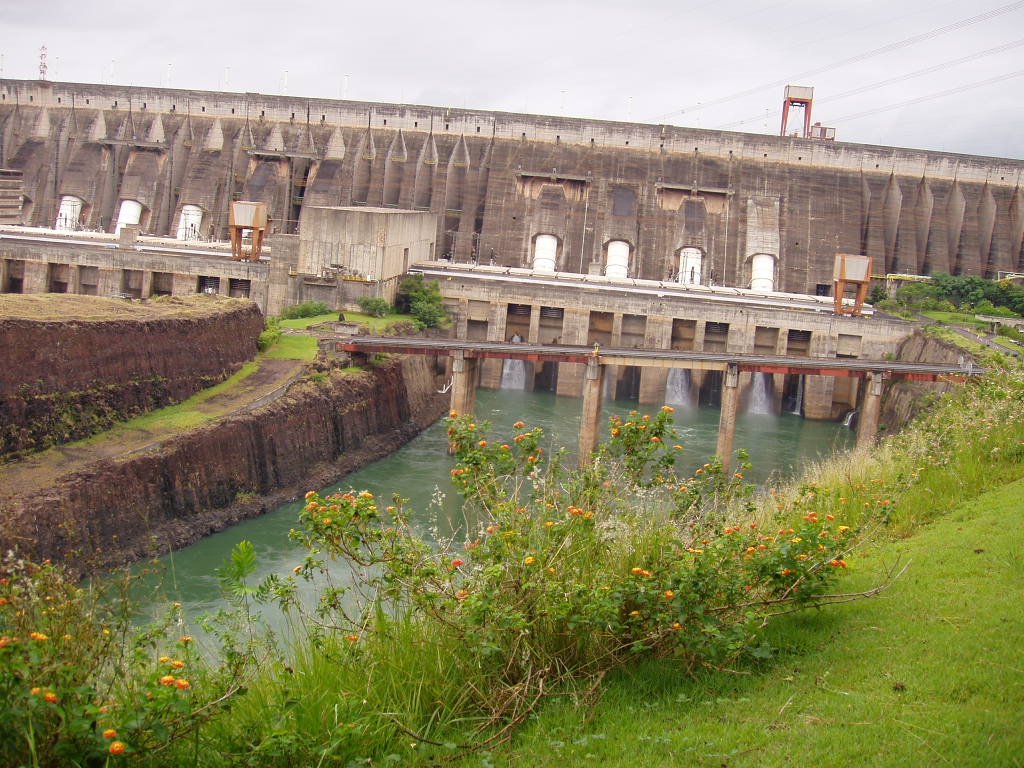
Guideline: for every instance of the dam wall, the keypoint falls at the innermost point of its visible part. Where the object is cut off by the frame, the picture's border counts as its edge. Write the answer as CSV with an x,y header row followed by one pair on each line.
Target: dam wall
x,y
645,201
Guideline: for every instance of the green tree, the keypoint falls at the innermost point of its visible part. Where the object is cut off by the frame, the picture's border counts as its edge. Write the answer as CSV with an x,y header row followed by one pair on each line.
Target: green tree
x,y
422,299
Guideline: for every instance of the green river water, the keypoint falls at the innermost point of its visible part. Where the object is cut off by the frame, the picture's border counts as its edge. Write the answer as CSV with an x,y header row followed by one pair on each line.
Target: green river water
x,y
420,472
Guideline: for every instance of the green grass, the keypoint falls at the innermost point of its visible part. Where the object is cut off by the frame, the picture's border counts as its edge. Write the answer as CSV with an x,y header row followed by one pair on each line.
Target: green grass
x,y
293,347
957,318
301,323
183,415
376,324
928,673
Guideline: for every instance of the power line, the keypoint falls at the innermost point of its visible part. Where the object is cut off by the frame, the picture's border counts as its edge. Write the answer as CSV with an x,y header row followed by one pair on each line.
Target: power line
x,y
929,97
888,48
893,80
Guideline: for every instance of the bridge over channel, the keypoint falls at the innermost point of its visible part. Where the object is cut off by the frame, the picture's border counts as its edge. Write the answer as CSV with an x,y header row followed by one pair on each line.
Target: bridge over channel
x,y
465,357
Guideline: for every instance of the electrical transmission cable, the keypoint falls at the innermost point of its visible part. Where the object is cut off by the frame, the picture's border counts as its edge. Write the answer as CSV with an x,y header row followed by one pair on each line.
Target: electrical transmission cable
x,y
888,48
891,80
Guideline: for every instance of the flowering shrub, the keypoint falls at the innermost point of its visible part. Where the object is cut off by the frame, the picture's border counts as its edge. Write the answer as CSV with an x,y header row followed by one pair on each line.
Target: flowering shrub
x,y
80,684
565,575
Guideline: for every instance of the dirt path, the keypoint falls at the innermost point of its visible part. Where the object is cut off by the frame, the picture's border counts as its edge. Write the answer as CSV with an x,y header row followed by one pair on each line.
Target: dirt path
x,y
41,470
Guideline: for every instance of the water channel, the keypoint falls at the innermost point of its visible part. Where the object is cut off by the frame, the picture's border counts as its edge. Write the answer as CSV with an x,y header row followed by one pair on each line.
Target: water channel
x,y
420,472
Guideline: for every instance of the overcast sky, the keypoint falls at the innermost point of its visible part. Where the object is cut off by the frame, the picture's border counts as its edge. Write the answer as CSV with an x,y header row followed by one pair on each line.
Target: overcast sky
x,y
935,74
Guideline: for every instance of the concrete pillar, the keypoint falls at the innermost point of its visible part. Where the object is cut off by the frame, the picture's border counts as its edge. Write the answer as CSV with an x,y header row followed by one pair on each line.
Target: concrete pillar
x,y
657,335
533,336
34,277
464,370
147,284
867,426
593,396
727,419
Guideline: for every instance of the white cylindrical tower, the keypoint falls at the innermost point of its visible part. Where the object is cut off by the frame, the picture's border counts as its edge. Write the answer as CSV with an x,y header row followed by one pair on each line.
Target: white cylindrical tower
x,y
545,251
190,222
762,273
691,260
69,213
129,214
617,265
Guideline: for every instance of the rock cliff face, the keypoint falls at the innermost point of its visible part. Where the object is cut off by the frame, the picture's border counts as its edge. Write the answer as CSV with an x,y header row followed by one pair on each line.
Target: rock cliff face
x,y
318,431
903,400
63,380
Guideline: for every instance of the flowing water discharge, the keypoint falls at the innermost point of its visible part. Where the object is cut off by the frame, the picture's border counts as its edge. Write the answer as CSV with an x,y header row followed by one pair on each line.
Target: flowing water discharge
x,y
778,445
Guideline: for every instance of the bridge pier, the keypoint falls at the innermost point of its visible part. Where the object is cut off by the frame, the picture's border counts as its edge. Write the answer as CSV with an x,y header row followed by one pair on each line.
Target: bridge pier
x,y
590,420
867,426
727,419
464,375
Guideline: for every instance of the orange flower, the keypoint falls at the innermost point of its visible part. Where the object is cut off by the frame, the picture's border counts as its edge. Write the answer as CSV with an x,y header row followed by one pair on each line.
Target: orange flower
x,y
185,639
669,594
167,680
676,625
518,425
641,572
182,684
453,414
352,638
457,562
117,748
36,691
616,432
39,636
110,733
50,697
482,443
178,664
530,560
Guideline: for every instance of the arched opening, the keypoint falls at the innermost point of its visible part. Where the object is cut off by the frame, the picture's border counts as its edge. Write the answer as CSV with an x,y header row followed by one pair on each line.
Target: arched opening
x,y
691,262
545,253
69,216
617,259
762,272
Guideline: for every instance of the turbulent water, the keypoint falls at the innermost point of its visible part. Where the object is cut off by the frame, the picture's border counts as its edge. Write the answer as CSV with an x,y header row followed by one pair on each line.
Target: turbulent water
x,y
420,472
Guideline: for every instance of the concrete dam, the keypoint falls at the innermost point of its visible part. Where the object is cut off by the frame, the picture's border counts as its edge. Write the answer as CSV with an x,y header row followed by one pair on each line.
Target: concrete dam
x,y
554,229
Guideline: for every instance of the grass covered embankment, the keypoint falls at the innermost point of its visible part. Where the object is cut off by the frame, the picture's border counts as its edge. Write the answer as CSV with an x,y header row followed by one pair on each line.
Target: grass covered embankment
x,y
927,673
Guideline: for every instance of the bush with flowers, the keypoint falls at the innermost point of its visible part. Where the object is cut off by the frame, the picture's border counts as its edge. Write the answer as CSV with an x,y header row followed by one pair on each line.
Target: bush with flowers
x,y
565,574
81,683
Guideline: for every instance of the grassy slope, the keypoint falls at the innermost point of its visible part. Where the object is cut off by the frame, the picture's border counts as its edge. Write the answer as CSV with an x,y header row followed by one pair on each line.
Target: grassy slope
x,y
929,673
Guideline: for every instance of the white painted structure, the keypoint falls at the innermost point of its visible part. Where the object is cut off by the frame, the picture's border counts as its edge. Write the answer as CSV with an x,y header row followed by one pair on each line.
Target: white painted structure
x,y
69,214
189,222
617,265
762,273
690,262
130,214
545,251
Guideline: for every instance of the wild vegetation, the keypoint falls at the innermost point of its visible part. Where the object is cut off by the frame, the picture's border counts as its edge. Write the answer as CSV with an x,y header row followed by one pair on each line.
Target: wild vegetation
x,y
572,584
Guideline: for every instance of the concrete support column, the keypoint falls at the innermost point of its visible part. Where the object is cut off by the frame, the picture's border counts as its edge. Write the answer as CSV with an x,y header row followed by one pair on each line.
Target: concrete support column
x,y
464,370
533,336
593,396
867,426
727,419
147,284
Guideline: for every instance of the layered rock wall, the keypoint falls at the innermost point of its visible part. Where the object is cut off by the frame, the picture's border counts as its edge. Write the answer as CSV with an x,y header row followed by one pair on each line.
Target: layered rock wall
x,y
155,501
66,379
903,400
